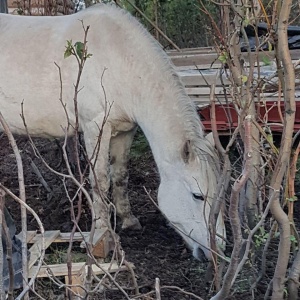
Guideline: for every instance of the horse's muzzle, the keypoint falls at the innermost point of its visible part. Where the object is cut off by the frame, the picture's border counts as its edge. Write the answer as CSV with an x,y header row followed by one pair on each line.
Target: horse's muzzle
x,y
201,255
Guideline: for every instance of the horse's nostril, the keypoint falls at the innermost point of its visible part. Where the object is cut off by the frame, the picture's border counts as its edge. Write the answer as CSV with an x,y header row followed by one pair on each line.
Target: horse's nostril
x,y
199,254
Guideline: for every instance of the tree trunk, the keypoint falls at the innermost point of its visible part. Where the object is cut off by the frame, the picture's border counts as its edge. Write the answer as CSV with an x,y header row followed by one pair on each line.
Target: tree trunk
x,y
288,83
251,189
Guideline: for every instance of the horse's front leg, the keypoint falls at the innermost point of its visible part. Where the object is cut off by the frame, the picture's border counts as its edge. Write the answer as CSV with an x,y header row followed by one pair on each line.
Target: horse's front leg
x,y
97,148
119,151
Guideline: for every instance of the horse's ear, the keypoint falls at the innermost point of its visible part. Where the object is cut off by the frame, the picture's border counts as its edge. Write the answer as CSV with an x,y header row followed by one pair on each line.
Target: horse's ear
x,y
187,153
210,138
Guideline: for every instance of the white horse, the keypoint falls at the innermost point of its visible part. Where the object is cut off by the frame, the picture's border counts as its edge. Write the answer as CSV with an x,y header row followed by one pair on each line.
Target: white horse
x,y
143,88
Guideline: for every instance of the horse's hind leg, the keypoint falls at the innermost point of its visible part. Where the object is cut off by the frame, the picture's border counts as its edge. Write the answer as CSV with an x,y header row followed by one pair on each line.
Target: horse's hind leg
x,y
119,151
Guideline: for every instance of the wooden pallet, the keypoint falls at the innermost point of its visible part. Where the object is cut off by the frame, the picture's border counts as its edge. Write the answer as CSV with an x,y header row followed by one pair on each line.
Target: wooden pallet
x,y
198,69
101,246
207,58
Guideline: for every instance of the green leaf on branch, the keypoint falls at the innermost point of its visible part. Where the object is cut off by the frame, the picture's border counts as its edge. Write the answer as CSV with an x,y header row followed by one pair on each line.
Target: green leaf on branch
x,y
223,58
270,47
293,238
68,51
270,139
266,61
277,234
79,48
244,79
292,199
246,22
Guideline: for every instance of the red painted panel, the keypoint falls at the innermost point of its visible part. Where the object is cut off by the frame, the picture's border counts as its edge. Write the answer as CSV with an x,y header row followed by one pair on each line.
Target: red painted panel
x,y
227,119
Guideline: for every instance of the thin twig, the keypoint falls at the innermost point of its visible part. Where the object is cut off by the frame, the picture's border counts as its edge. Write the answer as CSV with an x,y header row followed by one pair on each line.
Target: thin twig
x,y
250,236
157,289
9,257
22,196
2,292
40,177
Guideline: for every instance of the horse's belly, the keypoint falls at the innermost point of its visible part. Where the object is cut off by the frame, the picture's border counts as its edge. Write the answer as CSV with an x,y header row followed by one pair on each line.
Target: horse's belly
x,y
41,118
118,126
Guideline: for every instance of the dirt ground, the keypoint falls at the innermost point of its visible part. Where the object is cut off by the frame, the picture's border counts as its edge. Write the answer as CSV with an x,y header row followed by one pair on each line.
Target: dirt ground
x,y
156,250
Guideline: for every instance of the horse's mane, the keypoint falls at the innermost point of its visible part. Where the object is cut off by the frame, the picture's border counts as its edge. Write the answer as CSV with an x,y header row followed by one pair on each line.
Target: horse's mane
x,y
192,125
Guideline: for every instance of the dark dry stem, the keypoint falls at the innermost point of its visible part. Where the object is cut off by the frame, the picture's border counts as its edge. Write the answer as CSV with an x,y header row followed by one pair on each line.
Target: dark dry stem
x,y
22,196
40,177
250,237
157,289
2,200
291,183
294,274
293,279
169,287
10,292
264,255
75,219
222,186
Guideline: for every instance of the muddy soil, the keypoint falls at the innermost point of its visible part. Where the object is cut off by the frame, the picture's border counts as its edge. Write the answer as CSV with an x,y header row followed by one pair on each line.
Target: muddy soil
x,y
156,251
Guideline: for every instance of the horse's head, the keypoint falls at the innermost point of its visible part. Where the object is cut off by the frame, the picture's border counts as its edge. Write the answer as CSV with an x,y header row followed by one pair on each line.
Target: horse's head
x,y
185,196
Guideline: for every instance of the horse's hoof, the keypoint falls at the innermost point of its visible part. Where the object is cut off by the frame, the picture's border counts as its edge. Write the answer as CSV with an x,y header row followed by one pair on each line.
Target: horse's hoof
x,y
131,223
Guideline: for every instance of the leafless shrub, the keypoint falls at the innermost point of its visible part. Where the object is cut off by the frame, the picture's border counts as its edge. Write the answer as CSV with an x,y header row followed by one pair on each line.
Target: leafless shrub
x,y
260,184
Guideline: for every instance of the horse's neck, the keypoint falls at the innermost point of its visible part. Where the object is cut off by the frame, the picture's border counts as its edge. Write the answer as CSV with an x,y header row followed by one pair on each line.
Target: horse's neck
x,y
163,126
157,103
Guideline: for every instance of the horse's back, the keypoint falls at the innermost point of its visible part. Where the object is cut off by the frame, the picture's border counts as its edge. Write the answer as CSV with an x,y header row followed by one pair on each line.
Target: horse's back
x,y
29,46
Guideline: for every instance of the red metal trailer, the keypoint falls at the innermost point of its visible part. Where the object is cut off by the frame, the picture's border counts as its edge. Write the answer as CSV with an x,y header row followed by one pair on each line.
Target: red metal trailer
x,y
227,118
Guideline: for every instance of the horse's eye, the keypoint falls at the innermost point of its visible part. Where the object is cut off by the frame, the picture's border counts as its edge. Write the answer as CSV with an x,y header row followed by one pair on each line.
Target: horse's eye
x,y
198,197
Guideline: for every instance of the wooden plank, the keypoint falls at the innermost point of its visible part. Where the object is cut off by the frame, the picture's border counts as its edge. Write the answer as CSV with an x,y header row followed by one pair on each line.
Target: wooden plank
x,y
62,269
30,236
198,67
211,59
203,91
35,250
77,282
64,237
208,66
205,80
99,235
192,60
102,245
202,79
185,51
204,100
